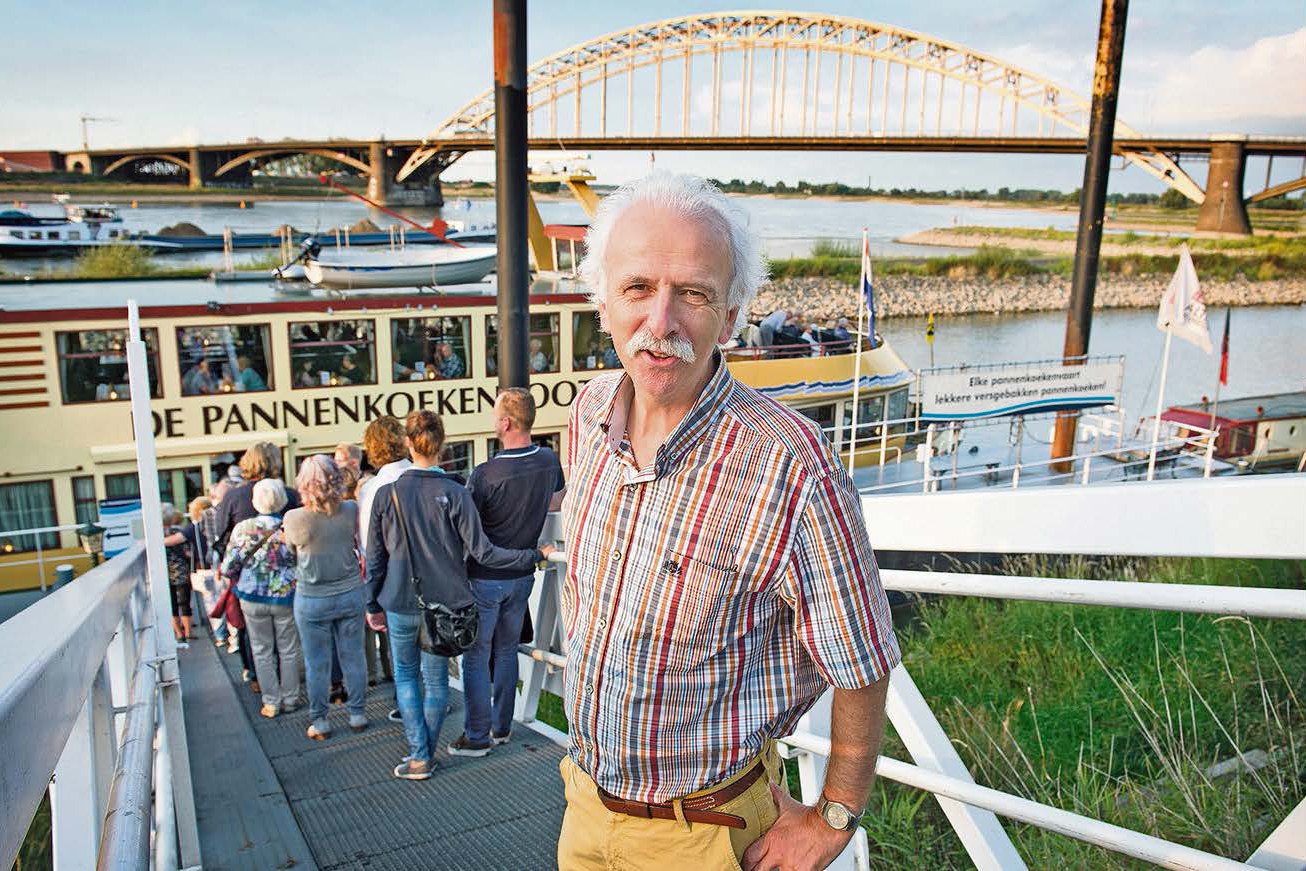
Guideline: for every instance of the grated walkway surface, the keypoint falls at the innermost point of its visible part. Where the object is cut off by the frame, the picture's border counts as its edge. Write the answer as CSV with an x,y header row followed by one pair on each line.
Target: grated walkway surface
x,y
502,811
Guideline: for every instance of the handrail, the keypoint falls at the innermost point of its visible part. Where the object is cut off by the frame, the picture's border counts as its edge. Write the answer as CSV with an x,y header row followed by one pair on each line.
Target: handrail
x,y
125,843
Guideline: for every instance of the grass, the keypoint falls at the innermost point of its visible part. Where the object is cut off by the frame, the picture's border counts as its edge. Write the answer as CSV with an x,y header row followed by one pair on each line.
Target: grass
x,y
1260,259
1111,713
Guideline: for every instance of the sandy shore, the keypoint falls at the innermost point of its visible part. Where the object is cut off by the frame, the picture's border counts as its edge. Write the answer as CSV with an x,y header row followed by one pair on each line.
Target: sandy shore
x,y
824,299
1061,247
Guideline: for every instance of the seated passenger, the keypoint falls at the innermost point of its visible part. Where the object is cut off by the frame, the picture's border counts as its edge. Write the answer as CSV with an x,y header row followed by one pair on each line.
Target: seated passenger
x,y
198,380
350,372
539,361
447,363
306,376
246,378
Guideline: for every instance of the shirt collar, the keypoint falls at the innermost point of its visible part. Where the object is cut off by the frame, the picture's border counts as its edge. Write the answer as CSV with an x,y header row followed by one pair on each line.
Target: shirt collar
x,y
689,432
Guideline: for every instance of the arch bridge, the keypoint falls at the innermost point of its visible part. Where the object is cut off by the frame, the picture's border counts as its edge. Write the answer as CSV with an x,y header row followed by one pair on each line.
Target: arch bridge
x,y
777,81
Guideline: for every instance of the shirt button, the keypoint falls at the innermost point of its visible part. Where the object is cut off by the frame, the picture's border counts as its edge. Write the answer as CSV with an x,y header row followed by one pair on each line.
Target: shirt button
x,y
589,689
616,556
603,622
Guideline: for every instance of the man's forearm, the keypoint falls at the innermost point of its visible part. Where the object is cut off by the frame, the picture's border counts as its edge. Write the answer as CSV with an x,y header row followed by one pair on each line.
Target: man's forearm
x,y
856,728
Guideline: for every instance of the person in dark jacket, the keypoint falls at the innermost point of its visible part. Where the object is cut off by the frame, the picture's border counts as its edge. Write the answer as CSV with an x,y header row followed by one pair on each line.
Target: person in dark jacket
x,y
441,529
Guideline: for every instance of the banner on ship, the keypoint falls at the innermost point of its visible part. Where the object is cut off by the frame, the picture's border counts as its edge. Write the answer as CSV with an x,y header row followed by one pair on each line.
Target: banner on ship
x,y
1020,388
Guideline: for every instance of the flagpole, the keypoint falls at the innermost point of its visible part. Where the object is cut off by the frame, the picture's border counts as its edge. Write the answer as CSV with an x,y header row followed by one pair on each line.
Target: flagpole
x,y
1160,399
1224,362
857,350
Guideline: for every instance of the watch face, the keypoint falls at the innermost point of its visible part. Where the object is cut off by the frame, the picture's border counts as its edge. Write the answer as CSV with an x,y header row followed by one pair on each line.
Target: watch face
x,y
837,815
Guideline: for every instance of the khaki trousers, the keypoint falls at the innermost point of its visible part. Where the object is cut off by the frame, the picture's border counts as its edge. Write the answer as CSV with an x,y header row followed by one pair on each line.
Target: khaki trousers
x,y
594,838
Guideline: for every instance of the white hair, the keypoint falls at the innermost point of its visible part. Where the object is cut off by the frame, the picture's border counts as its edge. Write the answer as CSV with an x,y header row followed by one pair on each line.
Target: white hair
x,y
694,198
269,496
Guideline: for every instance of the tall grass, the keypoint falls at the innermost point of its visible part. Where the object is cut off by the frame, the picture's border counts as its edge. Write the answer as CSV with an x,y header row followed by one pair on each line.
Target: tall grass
x,y
114,261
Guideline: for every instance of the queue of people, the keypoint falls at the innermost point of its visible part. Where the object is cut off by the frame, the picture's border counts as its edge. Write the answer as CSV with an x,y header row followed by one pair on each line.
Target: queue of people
x,y
309,584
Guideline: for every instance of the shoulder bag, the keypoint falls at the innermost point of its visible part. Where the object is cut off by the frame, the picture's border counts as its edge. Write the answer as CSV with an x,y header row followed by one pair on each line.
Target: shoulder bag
x,y
444,631
228,605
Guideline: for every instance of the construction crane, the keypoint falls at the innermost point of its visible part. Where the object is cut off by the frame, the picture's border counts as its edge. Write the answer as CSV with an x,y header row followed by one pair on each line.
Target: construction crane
x,y
85,118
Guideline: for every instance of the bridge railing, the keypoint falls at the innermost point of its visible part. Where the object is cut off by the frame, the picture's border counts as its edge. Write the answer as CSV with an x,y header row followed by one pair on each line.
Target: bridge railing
x,y
1246,517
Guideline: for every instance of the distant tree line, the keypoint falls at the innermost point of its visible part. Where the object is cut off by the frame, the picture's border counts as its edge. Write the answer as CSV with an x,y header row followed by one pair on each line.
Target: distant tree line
x,y
1170,199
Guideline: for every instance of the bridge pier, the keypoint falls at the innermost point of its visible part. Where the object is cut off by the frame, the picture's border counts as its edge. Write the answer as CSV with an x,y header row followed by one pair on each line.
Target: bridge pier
x,y
1223,210
420,189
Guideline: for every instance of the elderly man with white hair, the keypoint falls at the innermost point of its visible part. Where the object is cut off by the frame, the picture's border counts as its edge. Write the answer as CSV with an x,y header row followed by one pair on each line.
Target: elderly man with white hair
x,y
719,573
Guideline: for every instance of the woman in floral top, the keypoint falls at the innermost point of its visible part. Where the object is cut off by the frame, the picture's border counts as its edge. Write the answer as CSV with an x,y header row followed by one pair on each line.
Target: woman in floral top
x,y
266,590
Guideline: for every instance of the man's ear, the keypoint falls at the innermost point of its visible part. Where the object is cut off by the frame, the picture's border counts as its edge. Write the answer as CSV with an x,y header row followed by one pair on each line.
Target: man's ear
x,y
728,326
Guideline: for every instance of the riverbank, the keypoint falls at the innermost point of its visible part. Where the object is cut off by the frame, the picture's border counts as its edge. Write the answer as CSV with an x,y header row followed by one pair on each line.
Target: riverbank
x,y
824,299
1062,242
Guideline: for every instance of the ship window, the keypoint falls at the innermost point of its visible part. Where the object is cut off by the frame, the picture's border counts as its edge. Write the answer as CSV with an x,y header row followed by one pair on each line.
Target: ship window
x,y
29,505
457,458
17,234
34,234
224,359
74,235
543,344
898,410
591,348
870,412
823,415
543,439
429,349
177,486
332,353
54,234
93,364
85,508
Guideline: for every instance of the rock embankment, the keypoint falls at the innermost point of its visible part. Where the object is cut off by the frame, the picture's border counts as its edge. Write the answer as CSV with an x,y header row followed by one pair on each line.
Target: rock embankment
x,y
1060,247
824,299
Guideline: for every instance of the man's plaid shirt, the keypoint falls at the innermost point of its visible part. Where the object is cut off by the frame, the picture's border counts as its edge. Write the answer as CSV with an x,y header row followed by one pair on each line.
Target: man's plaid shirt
x,y
711,597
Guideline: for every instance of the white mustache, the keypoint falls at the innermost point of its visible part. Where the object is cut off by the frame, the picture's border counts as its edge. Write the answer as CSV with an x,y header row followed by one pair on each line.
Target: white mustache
x,y
672,346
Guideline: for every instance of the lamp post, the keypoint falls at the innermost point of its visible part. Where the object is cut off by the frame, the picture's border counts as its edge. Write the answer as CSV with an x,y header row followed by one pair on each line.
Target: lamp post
x,y
91,535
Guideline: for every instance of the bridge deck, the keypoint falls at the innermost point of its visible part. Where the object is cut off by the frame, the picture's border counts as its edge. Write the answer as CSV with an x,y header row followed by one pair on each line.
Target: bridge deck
x,y
267,797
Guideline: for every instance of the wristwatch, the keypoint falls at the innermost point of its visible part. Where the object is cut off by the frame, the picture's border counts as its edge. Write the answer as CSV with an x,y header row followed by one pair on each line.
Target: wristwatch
x,y
837,815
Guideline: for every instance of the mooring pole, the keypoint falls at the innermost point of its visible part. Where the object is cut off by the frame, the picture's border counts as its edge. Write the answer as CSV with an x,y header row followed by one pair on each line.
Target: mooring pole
x,y
1092,204
514,278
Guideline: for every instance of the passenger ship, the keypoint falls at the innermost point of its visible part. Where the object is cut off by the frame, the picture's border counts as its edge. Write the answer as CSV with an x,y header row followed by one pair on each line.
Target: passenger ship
x,y
307,373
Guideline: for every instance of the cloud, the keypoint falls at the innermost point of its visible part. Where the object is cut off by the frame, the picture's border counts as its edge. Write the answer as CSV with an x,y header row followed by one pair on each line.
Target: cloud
x,y
1217,89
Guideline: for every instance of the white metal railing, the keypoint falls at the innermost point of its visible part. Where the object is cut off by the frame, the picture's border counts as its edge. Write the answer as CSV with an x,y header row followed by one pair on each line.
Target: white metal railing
x,y
40,560
90,700
1243,517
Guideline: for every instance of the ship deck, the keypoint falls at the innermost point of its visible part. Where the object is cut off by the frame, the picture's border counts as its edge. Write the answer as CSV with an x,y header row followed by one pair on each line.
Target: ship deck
x,y
269,798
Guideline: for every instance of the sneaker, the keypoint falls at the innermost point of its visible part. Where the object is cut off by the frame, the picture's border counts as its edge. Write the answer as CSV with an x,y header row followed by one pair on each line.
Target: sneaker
x,y
500,739
463,746
233,644
245,675
357,723
269,711
395,716
413,769
318,734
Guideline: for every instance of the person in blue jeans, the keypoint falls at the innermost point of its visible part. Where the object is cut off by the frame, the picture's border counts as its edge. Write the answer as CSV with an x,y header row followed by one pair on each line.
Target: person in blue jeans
x,y
422,529
514,492
330,600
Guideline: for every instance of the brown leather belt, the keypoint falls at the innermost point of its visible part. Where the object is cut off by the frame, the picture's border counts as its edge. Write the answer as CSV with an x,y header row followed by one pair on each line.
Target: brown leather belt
x,y
697,808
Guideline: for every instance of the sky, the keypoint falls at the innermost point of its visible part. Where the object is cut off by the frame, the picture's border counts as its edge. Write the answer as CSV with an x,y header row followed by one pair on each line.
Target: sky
x,y
176,73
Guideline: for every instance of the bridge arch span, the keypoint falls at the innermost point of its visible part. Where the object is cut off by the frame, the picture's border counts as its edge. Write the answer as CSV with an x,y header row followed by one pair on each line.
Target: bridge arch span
x,y
261,153
785,75
127,159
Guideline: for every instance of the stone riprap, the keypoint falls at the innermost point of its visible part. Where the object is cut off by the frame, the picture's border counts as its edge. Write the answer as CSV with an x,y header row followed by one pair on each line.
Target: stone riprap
x,y
824,299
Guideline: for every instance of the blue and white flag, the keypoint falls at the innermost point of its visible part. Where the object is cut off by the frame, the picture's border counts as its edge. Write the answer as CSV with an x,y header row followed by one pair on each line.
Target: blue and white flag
x,y
868,288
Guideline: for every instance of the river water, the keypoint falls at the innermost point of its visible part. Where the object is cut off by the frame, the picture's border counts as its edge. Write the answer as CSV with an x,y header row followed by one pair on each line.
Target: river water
x,y
788,226
1268,348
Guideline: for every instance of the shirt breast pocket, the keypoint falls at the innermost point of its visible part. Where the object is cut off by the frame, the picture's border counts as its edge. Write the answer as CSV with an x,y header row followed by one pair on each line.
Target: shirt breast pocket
x,y
711,608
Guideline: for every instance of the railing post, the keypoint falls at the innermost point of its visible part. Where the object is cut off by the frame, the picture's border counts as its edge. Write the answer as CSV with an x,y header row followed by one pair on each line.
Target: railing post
x,y
811,778
545,621
925,462
79,792
1210,452
1088,463
985,840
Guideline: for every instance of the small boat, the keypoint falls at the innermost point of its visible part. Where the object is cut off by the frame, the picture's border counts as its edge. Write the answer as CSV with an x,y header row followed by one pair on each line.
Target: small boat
x,y
1255,432
424,267
459,231
76,229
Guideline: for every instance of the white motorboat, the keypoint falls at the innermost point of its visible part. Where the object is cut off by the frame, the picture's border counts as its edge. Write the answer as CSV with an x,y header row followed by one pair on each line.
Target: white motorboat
x,y
406,267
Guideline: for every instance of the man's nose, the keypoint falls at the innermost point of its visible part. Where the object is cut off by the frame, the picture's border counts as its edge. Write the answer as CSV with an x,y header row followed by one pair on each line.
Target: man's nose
x,y
661,317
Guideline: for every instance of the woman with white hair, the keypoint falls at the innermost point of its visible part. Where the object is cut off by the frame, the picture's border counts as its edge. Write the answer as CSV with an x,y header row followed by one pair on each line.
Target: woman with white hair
x,y
266,589
329,601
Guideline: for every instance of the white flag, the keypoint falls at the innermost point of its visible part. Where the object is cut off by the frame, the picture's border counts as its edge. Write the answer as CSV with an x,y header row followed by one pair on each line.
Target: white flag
x,y
1183,310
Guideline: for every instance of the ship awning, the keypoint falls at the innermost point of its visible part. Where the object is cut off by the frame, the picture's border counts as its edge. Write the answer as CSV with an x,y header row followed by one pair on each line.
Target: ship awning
x,y
199,445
